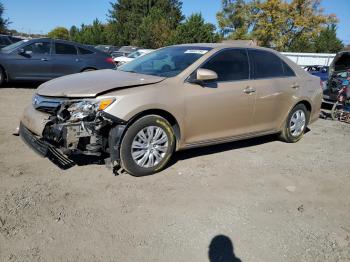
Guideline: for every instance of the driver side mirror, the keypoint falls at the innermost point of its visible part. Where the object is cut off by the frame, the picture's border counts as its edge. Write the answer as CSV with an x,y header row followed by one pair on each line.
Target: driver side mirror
x,y
206,75
203,75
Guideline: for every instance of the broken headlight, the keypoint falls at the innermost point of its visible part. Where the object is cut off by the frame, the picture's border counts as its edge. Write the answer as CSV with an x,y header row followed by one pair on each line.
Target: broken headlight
x,y
78,110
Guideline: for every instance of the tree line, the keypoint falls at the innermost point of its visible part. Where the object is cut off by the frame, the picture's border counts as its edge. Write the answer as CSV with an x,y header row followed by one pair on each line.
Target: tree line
x,y
295,25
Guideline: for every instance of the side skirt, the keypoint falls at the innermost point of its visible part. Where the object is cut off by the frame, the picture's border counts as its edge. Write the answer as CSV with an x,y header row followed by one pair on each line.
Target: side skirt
x,y
229,139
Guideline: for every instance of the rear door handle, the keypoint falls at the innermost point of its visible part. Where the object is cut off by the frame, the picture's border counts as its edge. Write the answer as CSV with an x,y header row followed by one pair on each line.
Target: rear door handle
x,y
295,86
249,90
44,59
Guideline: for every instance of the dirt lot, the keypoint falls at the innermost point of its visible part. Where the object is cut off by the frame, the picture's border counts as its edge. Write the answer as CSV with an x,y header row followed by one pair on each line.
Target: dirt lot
x,y
274,201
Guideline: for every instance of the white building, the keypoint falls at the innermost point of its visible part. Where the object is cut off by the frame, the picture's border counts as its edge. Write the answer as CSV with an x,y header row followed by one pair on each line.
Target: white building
x,y
310,59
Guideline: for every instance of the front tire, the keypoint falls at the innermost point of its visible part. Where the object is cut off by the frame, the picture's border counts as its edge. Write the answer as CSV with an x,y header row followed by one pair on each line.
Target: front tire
x,y
295,124
147,146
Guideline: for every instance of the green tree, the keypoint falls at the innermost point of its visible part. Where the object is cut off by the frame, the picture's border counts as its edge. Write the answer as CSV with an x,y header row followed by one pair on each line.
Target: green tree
x,y
127,17
327,41
3,22
59,33
195,30
283,25
236,18
154,31
73,33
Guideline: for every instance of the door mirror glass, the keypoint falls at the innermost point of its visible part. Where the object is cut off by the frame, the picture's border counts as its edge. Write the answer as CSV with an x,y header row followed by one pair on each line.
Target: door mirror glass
x,y
206,75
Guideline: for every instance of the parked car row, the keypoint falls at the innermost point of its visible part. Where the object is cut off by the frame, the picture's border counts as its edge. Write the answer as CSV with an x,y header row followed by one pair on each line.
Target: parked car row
x,y
116,51
6,40
120,60
44,59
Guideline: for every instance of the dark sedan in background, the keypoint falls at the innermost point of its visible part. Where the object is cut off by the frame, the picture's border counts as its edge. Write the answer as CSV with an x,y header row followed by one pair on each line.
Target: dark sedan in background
x,y
318,70
6,40
44,59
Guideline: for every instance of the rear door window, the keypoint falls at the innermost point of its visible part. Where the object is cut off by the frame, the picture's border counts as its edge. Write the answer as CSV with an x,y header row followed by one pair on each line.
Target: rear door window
x,y
65,49
84,51
230,65
265,64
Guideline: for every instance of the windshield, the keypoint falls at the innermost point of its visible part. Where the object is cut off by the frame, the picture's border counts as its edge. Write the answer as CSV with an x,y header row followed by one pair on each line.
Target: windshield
x,y
167,62
10,48
134,54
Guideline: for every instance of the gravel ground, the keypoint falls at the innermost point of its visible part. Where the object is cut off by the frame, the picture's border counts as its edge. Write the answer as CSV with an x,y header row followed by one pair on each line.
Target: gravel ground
x,y
273,201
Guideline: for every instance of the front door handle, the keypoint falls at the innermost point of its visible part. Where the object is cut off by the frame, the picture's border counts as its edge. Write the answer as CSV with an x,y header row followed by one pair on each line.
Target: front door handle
x,y
249,90
44,59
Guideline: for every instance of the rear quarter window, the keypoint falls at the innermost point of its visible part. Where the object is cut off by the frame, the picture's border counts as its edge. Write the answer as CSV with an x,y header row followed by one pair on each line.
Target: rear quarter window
x,y
287,70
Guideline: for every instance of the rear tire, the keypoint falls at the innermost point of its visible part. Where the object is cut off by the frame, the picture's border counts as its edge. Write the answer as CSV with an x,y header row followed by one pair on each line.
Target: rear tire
x,y
147,146
295,124
89,69
2,76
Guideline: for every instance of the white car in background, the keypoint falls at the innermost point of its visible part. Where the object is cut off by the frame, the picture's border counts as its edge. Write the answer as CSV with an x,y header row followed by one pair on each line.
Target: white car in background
x,y
124,59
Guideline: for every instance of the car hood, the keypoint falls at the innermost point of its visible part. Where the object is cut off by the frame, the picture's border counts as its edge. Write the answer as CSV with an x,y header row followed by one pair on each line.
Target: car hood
x,y
94,83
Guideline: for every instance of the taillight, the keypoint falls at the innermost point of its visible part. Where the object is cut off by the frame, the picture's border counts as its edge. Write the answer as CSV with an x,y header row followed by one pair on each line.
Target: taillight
x,y
110,60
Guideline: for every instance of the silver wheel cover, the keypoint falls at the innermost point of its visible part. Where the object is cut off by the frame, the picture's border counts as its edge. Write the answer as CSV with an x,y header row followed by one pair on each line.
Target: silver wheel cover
x,y
297,123
149,146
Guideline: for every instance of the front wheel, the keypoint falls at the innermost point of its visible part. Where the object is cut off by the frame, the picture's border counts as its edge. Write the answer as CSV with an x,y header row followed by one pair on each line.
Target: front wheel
x,y
336,111
296,124
147,146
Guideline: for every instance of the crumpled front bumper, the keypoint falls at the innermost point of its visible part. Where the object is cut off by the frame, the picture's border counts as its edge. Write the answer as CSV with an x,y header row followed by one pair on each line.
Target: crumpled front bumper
x,y
44,148
34,120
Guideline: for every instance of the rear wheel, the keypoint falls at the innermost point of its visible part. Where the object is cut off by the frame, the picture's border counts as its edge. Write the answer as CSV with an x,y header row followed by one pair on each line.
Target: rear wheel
x,y
147,146
2,76
296,124
88,69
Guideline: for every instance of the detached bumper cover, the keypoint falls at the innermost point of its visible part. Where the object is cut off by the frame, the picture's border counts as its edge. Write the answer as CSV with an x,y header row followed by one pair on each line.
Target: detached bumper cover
x,y
45,149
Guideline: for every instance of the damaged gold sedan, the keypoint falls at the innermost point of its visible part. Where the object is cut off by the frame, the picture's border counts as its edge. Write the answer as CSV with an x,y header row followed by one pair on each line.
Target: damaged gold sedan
x,y
174,98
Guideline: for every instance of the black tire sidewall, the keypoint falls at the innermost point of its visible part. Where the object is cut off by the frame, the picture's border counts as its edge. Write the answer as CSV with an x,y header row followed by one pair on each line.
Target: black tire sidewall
x,y
127,161
287,133
2,76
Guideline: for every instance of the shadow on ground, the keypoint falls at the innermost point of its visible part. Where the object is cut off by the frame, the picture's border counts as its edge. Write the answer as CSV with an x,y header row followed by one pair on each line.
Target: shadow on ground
x,y
214,149
83,160
221,250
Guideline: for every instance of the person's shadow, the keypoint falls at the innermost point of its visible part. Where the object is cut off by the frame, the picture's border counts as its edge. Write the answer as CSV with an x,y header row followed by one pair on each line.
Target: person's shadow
x,y
221,250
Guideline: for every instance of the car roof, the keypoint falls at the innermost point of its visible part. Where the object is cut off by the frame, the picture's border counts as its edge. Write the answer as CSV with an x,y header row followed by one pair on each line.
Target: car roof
x,y
231,44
